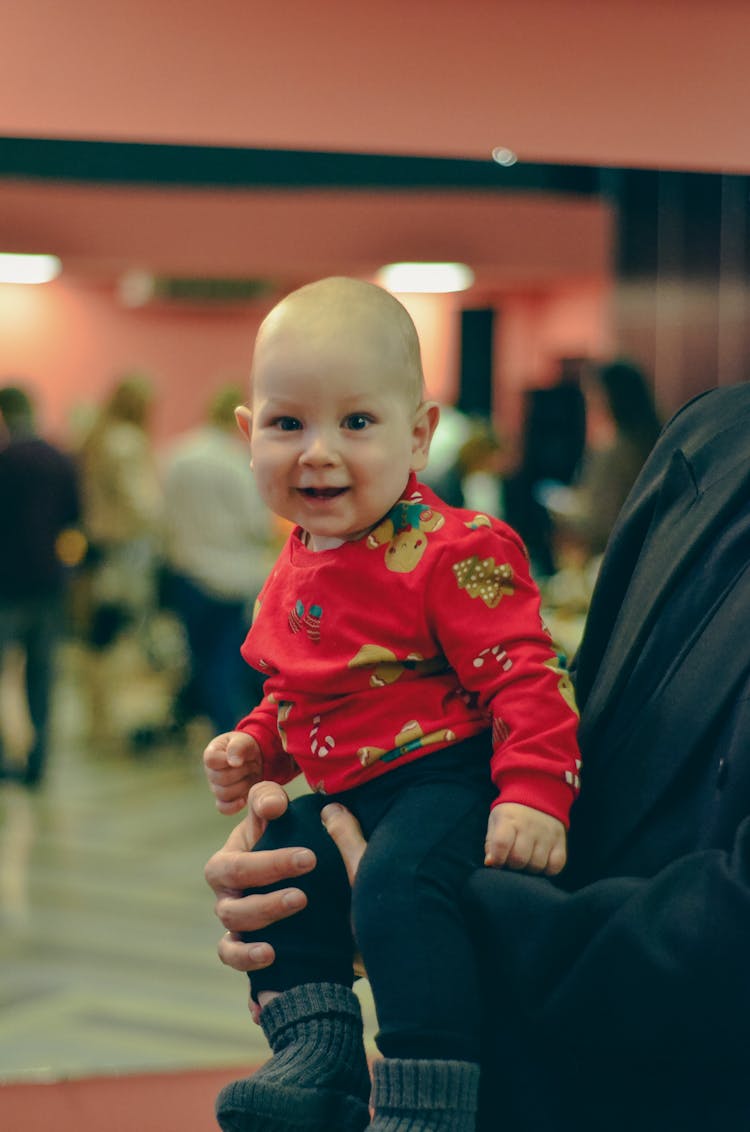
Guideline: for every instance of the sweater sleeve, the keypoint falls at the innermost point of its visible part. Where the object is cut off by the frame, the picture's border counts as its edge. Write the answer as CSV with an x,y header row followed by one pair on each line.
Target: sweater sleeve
x,y
485,611
263,725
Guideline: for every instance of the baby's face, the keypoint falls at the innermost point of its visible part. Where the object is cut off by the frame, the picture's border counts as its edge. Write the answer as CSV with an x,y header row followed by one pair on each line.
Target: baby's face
x,y
335,430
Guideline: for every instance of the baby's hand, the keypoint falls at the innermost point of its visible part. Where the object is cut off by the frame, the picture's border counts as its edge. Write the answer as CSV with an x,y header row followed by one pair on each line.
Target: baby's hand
x,y
233,763
525,839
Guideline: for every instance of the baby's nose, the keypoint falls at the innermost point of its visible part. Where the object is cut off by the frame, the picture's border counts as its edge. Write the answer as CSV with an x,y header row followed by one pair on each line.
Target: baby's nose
x,y
320,448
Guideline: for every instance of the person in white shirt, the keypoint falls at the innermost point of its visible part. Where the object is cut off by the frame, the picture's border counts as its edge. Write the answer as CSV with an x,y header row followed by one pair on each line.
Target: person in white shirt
x,y
218,550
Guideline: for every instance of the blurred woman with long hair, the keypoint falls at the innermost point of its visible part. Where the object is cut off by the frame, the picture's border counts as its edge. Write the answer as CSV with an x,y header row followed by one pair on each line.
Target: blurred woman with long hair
x,y
622,424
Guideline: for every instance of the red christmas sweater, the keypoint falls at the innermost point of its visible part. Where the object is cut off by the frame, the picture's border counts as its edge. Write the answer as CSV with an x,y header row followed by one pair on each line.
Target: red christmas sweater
x,y
414,637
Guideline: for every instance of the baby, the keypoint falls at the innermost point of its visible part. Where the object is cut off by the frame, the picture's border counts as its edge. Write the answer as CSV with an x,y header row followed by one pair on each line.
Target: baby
x,y
408,675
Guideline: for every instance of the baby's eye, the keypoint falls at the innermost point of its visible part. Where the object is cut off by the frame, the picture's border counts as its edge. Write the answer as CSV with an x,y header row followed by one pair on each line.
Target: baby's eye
x,y
287,424
357,421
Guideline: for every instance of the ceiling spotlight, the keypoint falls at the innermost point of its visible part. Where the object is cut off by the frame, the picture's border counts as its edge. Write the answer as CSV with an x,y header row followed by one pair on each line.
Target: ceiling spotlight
x,y
28,268
430,278
504,156
135,288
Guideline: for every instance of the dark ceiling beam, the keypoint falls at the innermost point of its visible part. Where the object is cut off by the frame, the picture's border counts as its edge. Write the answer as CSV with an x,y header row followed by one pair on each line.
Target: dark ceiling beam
x,y
237,168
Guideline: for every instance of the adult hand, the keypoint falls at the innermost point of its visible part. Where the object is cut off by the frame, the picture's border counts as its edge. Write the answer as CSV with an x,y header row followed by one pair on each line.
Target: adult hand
x,y
346,832
233,869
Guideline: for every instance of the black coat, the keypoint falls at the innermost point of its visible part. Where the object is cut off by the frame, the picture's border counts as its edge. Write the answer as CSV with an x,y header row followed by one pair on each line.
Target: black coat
x,y
620,999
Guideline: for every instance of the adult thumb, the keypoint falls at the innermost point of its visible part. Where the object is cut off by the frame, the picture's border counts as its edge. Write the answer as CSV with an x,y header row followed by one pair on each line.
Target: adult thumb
x,y
346,832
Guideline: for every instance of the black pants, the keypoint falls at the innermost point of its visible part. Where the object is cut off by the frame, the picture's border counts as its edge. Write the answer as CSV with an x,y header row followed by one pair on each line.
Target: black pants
x,y
221,684
425,824
35,625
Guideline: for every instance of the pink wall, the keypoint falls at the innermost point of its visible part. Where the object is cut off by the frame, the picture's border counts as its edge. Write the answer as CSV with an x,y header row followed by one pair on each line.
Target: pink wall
x,y
626,82
74,335
293,234
70,340
629,82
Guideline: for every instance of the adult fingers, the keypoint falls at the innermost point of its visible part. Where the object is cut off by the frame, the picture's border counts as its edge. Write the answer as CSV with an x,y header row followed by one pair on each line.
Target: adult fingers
x,y
233,869
266,801
346,832
258,910
244,956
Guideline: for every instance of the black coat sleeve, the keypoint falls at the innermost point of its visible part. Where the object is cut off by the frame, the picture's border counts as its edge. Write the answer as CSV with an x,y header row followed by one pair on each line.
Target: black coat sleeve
x,y
637,967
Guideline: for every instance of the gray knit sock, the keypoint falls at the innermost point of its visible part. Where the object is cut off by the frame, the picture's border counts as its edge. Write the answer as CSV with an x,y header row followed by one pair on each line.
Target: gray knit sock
x,y
424,1096
317,1080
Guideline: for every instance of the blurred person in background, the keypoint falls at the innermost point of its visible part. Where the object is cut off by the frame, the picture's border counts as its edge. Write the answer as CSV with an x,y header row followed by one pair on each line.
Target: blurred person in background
x,y
474,478
622,424
40,508
550,449
454,427
122,506
483,460
218,550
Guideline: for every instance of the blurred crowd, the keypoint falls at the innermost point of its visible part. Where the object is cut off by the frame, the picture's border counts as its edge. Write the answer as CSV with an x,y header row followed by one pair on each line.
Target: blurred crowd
x,y
562,480
147,562
150,561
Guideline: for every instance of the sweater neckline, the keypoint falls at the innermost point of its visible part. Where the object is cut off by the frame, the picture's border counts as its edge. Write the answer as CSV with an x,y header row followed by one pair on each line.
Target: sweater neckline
x,y
302,555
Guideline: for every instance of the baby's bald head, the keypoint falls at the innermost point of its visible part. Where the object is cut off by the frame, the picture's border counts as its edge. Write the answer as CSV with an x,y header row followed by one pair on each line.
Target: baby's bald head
x,y
348,312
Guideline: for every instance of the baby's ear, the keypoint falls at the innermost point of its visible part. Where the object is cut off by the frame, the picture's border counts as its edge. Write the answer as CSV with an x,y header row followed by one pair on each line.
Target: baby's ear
x,y
244,419
425,422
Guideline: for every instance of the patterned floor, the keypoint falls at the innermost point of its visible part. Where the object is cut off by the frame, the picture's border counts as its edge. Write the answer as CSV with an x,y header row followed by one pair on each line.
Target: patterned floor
x,y
107,934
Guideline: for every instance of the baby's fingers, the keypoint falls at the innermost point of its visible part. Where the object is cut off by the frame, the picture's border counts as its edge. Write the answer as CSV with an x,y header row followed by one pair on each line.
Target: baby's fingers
x,y
556,861
500,844
538,858
229,777
230,789
520,837
230,803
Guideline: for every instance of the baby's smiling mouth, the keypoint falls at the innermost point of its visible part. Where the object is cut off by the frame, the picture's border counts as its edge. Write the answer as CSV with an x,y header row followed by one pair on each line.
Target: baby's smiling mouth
x,y
322,492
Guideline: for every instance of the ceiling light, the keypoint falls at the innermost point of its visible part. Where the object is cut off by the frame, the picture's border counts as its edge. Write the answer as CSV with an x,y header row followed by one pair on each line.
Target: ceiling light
x,y
504,156
425,277
28,268
136,288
